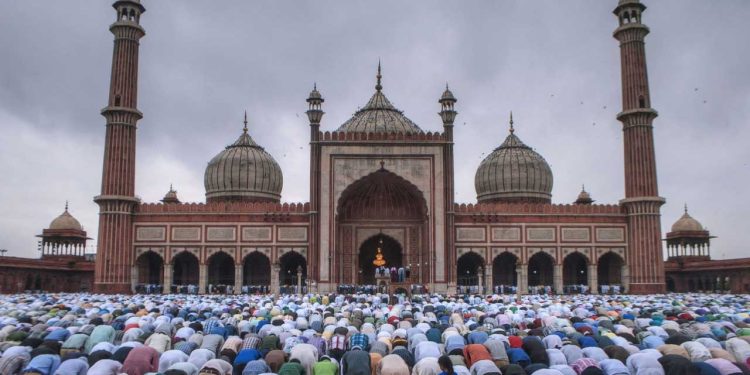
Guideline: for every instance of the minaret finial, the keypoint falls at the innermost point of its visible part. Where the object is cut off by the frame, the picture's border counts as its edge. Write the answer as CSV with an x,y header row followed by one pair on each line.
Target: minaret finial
x,y
511,123
66,206
170,187
315,85
583,187
378,85
244,129
685,207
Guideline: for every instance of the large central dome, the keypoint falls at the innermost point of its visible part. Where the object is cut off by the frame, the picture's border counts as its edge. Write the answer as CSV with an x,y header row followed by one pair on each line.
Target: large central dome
x,y
379,116
244,171
514,173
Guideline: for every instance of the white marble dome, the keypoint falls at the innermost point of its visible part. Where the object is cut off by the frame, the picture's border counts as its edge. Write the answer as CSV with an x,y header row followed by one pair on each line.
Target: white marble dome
x,y
513,173
243,171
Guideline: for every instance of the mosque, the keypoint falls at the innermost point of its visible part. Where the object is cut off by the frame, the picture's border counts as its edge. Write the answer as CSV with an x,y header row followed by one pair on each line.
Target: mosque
x,y
381,192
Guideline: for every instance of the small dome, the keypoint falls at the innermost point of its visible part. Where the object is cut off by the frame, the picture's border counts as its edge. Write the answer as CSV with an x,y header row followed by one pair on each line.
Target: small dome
x,y
244,171
171,196
447,95
584,197
686,223
65,221
513,172
379,116
315,94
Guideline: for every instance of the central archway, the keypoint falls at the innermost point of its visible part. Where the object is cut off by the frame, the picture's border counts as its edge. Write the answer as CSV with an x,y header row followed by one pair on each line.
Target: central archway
x,y
380,201
390,250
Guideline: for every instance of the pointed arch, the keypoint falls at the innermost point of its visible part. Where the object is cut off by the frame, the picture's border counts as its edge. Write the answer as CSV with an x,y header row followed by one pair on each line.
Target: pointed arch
x,y
150,266
381,194
504,270
185,268
575,269
256,268
467,268
541,268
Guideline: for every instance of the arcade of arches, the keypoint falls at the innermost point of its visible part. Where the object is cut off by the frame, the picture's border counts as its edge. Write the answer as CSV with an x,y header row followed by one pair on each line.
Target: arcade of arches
x,y
218,274
381,206
575,273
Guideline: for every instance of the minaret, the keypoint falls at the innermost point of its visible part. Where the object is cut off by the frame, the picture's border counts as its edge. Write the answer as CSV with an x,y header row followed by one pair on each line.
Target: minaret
x,y
642,201
114,255
448,115
314,114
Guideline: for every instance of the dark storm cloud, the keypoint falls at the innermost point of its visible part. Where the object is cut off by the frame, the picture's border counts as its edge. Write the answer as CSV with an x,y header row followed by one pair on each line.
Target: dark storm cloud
x,y
555,64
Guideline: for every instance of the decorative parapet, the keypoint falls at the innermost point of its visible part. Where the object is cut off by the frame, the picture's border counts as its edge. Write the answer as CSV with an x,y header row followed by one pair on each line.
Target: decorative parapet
x,y
228,207
337,136
537,209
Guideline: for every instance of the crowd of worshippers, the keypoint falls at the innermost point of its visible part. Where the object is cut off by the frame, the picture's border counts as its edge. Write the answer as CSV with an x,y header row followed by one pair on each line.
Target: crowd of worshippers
x,y
360,334
397,275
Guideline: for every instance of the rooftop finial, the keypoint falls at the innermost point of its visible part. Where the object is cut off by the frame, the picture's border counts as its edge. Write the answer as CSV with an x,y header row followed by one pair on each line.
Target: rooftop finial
x,y
244,129
170,187
66,206
378,86
685,207
315,85
511,123
583,187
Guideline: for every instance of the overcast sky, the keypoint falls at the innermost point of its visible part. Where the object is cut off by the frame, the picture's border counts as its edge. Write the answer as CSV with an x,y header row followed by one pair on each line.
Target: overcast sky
x,y
202,63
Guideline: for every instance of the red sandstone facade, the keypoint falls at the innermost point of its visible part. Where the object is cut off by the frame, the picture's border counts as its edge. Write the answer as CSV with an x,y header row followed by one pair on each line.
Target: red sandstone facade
x,y
380,182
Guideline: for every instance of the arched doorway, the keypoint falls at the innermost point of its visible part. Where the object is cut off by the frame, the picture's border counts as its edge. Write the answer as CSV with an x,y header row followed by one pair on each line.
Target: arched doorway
x,y
185,272
256,273
220,272
467,271
504,275
379,200
289,264
391,253
609,272
541,268
150,273
575,272
671,285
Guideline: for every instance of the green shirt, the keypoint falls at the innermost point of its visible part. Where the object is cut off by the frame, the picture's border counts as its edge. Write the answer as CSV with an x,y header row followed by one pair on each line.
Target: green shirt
x,y
325,367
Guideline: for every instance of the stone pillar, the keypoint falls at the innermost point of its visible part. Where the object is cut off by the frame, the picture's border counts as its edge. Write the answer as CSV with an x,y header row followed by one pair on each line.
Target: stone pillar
x,y
167,279
489,286
593,279
557,278
299,280
133,278
480,279
202,278
625,281
238,276
275,269
522,278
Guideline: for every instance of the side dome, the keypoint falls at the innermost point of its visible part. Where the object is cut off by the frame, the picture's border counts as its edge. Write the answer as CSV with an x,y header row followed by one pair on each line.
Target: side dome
x,y
686,223
379,116
513,173
244,171
65,221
